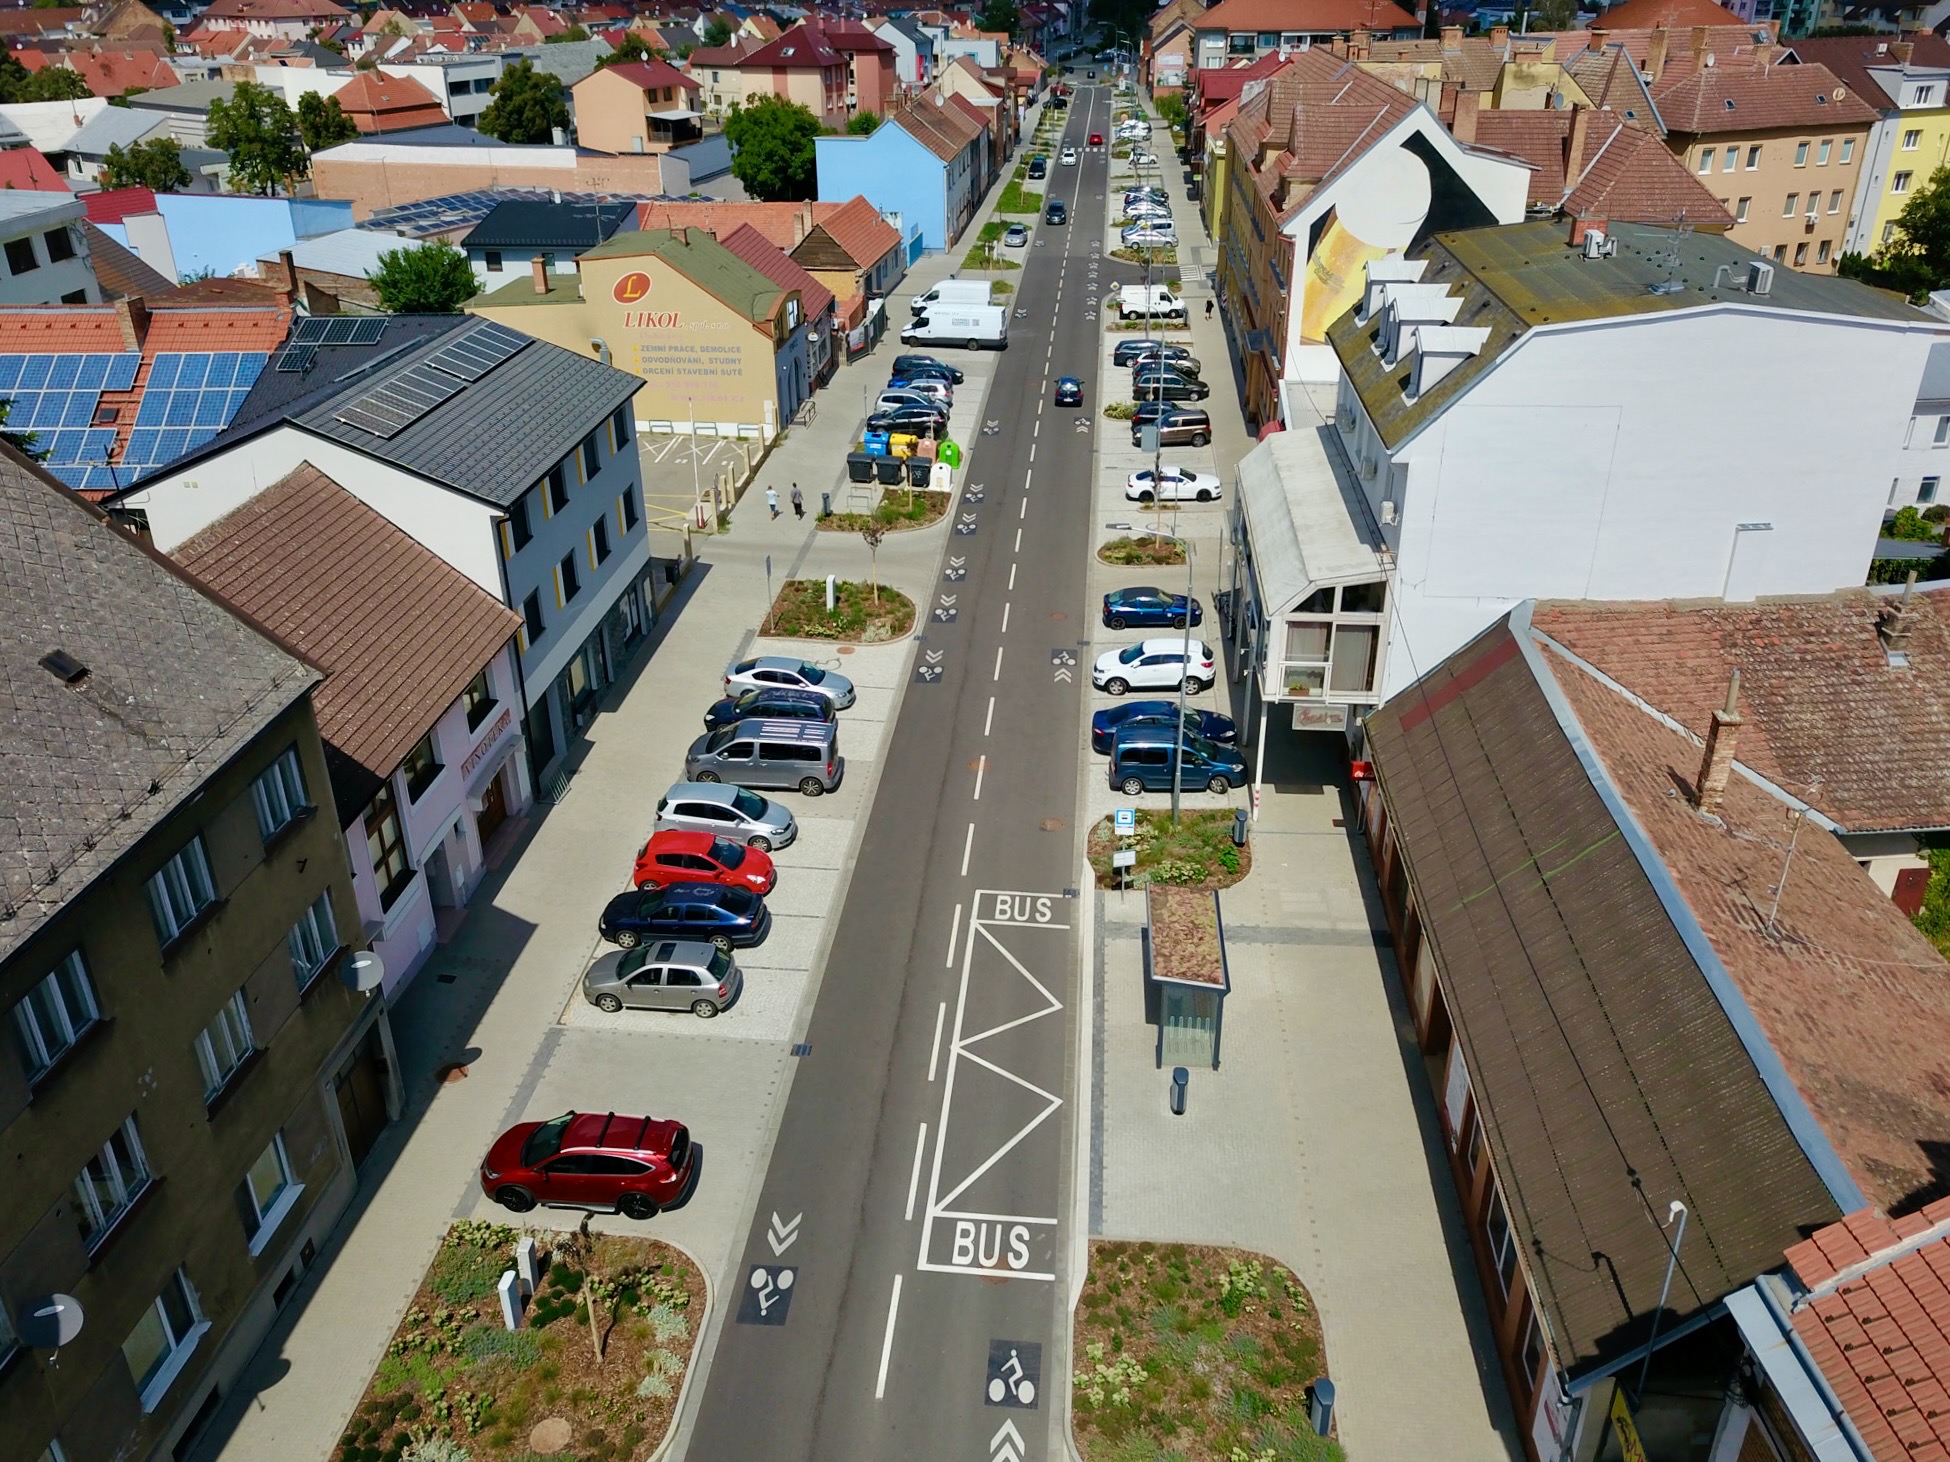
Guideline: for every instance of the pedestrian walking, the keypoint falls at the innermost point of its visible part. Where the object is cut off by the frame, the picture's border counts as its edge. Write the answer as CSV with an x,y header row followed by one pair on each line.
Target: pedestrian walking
x,y
1208,309
798,502
772,500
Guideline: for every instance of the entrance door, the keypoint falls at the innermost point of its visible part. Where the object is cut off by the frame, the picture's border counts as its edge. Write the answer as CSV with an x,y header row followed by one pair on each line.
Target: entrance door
x,y
361,1090
440,876
494,807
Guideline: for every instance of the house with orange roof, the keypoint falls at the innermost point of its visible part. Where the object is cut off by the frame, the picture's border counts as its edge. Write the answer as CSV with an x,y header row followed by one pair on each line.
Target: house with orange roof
x,y
379,101
823,340
854,252
637,106
24,168
290,20
108,73
800,66
1593,165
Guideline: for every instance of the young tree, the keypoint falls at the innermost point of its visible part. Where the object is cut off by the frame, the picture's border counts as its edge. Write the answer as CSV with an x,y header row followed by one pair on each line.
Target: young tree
x,y
632,47
999,15
23,442
322,122
155,163
772,145
52,84
1919,255
872,533
862,124
573,33
433,278
258,131
12,74
717,33
527,106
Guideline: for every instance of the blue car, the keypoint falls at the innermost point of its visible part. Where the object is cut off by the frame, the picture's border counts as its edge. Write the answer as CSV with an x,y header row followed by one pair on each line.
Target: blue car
x,y
773,701
1069,391
1208,724
731,918
1145,607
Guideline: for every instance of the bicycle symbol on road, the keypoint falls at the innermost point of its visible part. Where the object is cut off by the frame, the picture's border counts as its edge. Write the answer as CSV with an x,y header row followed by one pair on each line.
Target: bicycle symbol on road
x,y
1014,1367
768,1294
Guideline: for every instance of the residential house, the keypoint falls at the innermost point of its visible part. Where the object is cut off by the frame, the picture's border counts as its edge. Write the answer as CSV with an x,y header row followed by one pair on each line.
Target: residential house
x,y
913,50
291,20
183,234
924,169
637,106
1212,104
871,82
984,100
389,173
1693,1031
460,83
181,1160
109,73
1170,46
720,73
507,242
817,302
1245,30
84,153
378,102
46,258
1907,81
522,474
800,66
333,270
419,709
24,168
710,342
1919,478
854,252
185,109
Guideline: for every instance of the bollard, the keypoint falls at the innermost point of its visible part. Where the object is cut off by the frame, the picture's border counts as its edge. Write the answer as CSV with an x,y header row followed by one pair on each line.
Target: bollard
x,y
527,1265
832,591
510,1291
825,505
1180,1079
1321,1409
1241,821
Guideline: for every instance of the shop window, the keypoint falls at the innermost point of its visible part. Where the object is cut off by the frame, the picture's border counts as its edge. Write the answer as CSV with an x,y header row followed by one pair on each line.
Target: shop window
x,y
422,768
479,700
386,847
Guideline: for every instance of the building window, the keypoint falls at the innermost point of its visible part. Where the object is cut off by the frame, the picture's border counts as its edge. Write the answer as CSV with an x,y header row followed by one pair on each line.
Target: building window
x,y
1753,158
20,256
1821,153
1800,255
1780,253
492,258
55,1013
1835,201
267,1191
223,1044
1900,183
567,585
1533,1351
313,940
1912,139
1503,1240
1942,431
1706,159
1732,158
599,542
279,794
112,1179
531,614
1821,252
520,533
557,487
619,428
1740,211
626,508
386,846
180,890
1792,200
1926,490
1889,231
422,768
60,245
591,457
1848,148
479,698
1800,154
161,1340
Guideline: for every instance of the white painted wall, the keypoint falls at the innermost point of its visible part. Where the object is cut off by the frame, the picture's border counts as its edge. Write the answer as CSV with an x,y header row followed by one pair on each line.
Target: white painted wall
x,y
49,280
1618,460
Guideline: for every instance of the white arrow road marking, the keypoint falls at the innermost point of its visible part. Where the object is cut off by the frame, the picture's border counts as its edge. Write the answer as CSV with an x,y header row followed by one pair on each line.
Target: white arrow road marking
x,y
782,1235
1007,1444
947,601
933,657
1063,675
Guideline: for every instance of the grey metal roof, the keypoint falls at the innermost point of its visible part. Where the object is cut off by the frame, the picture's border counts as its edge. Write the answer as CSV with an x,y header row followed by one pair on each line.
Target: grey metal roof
x,y
176,686
567,61
1306,517
191,97
116,127
522,223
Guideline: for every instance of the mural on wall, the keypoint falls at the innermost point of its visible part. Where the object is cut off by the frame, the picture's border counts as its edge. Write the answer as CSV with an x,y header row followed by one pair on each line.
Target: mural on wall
x,y
1378,213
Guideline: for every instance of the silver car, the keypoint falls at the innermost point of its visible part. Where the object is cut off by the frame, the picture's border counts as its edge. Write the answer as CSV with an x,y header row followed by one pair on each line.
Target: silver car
x,y
791,673
727,812
664,975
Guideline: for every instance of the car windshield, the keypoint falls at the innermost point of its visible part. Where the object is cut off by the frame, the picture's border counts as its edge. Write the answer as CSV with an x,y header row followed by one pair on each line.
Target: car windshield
x,y
727,854
633,960
720,738
738,900
748,804
720,964
814,675
546,1140
1130,654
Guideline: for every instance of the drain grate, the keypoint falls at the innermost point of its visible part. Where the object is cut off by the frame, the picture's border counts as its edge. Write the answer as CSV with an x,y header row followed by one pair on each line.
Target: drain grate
x,y
446,979
803,1048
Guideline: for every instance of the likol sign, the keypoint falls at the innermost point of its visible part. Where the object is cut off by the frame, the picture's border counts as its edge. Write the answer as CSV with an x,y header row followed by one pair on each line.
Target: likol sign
x,y
634,288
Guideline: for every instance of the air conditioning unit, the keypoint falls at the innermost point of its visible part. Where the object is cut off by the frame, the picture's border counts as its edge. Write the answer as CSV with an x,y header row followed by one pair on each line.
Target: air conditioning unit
x,y
1760,277
1387,512
1597,246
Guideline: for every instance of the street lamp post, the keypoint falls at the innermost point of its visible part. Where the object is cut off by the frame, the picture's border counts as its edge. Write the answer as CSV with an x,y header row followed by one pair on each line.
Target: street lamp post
x,y
1675,1210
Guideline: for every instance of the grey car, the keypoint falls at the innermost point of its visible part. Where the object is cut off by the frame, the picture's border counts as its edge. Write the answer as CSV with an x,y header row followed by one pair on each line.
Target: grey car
x,y
664,974
727,812
791,673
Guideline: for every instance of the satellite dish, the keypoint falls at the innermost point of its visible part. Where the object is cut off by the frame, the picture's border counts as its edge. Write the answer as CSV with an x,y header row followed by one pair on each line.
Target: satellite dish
x,y
49,1322
1841,93
365,971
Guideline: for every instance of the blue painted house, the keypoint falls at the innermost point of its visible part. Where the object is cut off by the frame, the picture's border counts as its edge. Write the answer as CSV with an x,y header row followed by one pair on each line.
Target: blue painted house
x,y
924,163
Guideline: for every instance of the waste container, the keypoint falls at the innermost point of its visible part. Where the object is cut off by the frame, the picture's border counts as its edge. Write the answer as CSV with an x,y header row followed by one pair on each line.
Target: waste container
x,y
875,443
859,467
918,469
1241,821
888,471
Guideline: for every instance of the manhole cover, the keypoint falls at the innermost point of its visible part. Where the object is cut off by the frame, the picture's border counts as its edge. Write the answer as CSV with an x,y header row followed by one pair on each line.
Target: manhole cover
x,y
846,649
1052,824
1059,615
551,1436
447,1075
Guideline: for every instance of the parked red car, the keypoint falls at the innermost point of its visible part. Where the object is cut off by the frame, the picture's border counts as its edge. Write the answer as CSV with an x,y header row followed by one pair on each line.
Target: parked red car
x,y
635,1166
672,856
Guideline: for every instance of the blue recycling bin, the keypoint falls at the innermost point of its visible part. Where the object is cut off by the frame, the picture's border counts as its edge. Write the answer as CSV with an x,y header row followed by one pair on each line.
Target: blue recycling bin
x,y
875,444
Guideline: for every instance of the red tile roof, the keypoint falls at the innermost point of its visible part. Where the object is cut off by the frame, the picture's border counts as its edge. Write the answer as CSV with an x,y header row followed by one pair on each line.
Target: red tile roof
x,y
1850,58
730,56
857,227
1625,175
815,299
247,10
801,48
379,102
23,167
112,205
1671,14
783,223
851,36
1313,16
648,74
111,72
1719,99
399,631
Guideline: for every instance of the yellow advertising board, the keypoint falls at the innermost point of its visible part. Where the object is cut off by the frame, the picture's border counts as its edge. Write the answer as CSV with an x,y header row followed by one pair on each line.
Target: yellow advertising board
x,y
1629,1445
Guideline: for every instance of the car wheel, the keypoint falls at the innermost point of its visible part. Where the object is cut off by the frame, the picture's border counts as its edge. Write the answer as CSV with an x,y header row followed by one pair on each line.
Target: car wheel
x,y
1116,687
708,777
974,345
649,885
1178,622
1195,686
1131,786
1116,621
1199,439
704,1009
1219,785
723,941
1147,498
764,845
1204,496
515,1200
637,1206
608,1004
811,786
626,939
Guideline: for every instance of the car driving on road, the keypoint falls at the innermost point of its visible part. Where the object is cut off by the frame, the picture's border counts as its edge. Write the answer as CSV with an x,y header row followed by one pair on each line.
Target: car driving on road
x,y
1152,665
1145,607
635,1166
796,674
1069,158
1209,724
1069,391
1056,213
668,975
677,856
731,918
1173,484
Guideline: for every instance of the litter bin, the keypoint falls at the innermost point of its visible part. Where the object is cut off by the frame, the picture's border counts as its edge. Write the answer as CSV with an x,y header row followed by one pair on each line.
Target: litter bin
x,y
859,467
887,470
875,443
918,469
1241,822
826,500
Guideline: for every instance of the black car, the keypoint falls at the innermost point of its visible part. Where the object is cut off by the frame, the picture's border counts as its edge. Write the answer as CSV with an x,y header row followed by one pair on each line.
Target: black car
x,y
1185,365
1128,351
1039,167
1157,383
1056,213
1069,391
914,420
1209,724
1177,426
774,701
916,365
731,918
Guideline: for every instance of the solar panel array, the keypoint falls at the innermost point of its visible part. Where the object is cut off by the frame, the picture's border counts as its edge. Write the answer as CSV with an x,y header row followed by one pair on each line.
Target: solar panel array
x,y
341,330
56,397
189,399
400,400
431,216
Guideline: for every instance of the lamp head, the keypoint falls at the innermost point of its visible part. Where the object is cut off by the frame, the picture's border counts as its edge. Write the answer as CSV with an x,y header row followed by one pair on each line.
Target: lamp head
x,y
1675,1210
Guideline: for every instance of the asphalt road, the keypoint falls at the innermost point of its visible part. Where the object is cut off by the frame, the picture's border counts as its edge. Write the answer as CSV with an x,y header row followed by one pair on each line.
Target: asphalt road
x,y
907,1252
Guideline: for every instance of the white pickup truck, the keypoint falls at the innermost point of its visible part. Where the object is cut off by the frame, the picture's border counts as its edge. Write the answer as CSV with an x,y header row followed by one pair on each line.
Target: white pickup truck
x,y
1137,301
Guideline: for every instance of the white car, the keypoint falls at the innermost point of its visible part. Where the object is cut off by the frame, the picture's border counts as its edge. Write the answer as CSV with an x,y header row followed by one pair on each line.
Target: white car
x,y
1069,158
1144,159
1153,665
790,673
1151,236
1147,213
1174,485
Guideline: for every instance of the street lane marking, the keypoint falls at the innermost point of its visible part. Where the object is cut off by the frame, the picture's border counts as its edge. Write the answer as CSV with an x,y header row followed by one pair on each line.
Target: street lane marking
x,y
1012,578
939,1016
1025,509
981,767
967,847
954,938
887,1342
988,719
1018,548
1005,617
998,653
920,1150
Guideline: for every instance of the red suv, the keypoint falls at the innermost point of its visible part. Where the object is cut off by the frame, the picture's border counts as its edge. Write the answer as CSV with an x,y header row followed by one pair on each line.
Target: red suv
x,y
673,856
635,1166
1096,139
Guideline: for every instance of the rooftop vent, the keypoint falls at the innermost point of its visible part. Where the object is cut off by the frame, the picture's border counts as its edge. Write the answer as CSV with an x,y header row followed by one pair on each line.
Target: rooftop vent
x,y
64,667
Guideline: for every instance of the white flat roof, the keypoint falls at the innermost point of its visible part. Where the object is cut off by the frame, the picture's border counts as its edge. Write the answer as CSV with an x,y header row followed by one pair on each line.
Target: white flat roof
x,y
1307,519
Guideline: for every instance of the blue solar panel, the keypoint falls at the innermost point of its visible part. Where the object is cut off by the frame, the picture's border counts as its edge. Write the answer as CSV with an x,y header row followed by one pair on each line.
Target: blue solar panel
x,y
163,373
188,400
121,372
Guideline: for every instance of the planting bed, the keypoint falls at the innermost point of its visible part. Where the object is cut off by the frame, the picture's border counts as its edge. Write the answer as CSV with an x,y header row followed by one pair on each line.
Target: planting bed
x,y
1198,852
800,610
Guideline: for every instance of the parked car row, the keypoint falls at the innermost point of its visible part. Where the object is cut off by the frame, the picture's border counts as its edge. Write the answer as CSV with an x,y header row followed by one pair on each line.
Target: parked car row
x,y
917,398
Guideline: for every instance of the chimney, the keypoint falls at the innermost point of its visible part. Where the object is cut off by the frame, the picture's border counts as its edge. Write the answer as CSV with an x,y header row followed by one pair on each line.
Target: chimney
x,y
1894,623
133,316
1463,129
290,267
1655,53
1699,45
1499,36
1902,51
1582,226
541,275
1452,37
1717,764
1359,45
1575,144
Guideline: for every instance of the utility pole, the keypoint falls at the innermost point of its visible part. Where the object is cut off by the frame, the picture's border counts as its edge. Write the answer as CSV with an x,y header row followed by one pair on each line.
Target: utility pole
x,y
1185,671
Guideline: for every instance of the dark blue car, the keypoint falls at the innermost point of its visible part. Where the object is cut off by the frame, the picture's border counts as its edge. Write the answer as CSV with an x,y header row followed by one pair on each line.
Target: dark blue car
x,y
1209,724
731,918
773,701
1145,607
1069,391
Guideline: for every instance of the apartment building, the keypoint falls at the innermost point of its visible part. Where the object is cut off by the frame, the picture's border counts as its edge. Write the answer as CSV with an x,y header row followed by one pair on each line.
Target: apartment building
x,y
1907,81
45,256
189,1082
1236,31
636,106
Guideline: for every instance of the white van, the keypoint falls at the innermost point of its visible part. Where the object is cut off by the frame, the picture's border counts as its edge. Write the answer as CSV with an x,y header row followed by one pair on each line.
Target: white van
x,y
957,292
976,327
1158,302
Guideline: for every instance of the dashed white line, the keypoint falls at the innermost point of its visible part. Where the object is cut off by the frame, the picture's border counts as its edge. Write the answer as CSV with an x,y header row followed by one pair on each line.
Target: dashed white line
x,y
887,1342
1032,451
940,1016
1005,617
967,847
990,717
1018,540
981,768
1025,509
954,938
914,1178
1012,578
998,664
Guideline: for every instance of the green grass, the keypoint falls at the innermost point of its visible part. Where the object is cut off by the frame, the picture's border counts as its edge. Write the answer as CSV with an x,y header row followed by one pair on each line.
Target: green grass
x,y
1018,199
1198,851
